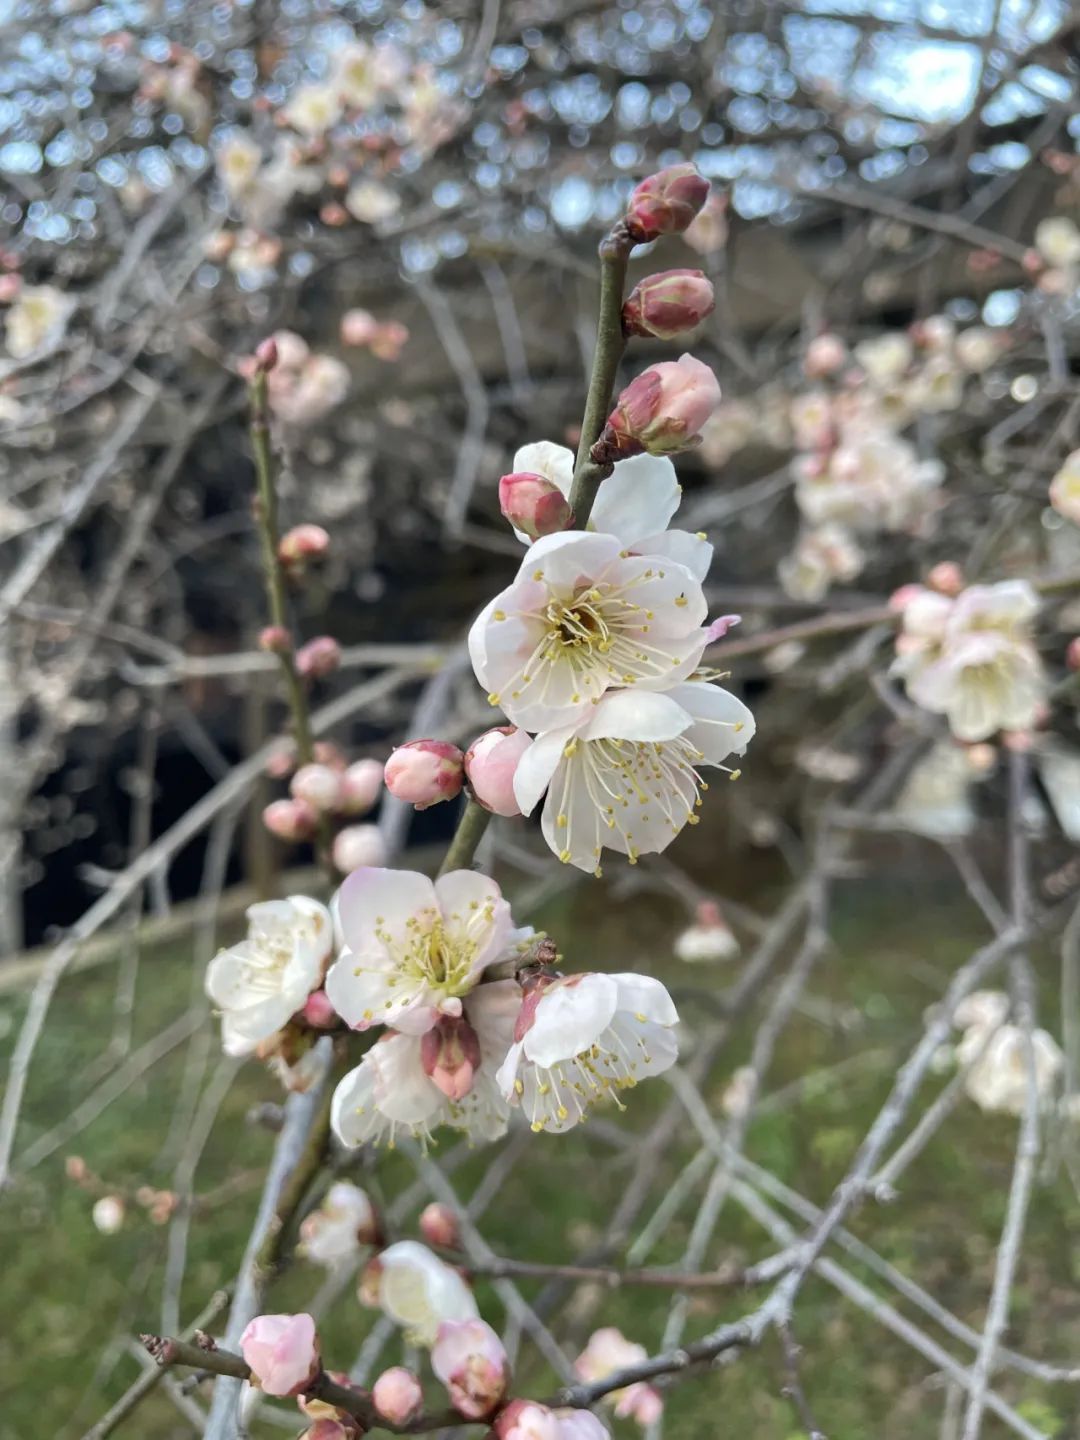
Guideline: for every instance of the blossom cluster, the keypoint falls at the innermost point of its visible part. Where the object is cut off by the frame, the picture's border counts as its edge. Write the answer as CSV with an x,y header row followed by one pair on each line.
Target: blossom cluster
x,y
994,1056
971,656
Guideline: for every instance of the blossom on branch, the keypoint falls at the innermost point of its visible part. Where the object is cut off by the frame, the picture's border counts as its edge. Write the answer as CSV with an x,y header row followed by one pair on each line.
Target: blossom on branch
x,y
609,1351
584,1038
469,1358
412,949
661,411
425,772
626,777
344,1223
418,1291
283,1352
397,1395
261,982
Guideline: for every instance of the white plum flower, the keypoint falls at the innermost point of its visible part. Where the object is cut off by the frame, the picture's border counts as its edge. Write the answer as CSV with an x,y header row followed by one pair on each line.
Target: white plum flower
x,y
238,160
885,357
413,948
586,615
37,320
313,109
981,1010
626,778
973,659
820,556
609,1351
998,1077
1057,240
447,1076
710,937
418,1291
260,983
344,1223
584,1038
873,480
371,202
356,75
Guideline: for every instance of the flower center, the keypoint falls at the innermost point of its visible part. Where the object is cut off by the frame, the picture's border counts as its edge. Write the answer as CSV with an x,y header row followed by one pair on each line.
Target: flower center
x,y
581,624
440,960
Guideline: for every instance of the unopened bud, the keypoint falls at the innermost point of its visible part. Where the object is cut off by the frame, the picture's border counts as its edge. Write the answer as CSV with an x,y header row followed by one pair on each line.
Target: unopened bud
x,y
357,847
108,1214
534,505
1072,653
283,1353
397,1395
668,304
361,786
266,354
10,285
665,203
75,1168
388,341
424,772
946,578
527,1420
275,639
450,1055
491,763
318,785
662,411
825,355
318,657
470,1360
290,819
358,327
439,1226
303,542
318,1012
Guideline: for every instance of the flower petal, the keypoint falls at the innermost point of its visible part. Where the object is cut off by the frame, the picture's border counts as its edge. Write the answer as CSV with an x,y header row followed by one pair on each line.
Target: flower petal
x,y
636,715
569,1018
538,765
637,499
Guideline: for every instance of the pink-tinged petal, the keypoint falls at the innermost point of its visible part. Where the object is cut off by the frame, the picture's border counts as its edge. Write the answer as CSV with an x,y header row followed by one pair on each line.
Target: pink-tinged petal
x,y
377,903
538,765
636,715
637,499
571,557
569,1018
370,997
403,1091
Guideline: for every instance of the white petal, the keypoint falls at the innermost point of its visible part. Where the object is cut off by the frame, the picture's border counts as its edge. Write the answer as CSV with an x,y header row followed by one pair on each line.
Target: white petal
x,y
637,499
375,996
507,1072
692,552
544,457
636,715
354,1116
569,1017
722,726
477,641
537,766
403,1091
645,995
387,901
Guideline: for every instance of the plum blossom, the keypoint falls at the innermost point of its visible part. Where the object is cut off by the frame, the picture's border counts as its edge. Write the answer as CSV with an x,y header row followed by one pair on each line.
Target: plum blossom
x,y
397,1395
491,762
973,658
418,1291
370,202
820,556
626,777
527,1420
1057,240
343,1223
998,1075
581,1425
469,1358
283,1352
581,1039
37,320
425,772
238,160
447,1076
356,75
588,612
313,109
609,1351
710,937
261,982
886,357
872,480
661,411
412,949
108,1214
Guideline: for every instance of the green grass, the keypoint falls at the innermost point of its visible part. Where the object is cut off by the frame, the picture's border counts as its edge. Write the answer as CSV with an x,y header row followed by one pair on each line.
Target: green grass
x,y
71,1294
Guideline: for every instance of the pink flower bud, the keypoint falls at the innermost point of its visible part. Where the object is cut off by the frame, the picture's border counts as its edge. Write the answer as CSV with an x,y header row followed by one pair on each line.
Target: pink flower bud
x,y
10,285
468,1357
283,1352
318,1012
423,772
825,355
900,599
534,505
946,578
397,1395
275,639
490,764
662,411
357,327
526,1420
1072,653
290,819
439,1226
303,542
358,846
389,340
325,752
266,354
665,203
450,1055
318,785
361,786
318,657
665,305
338,1426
